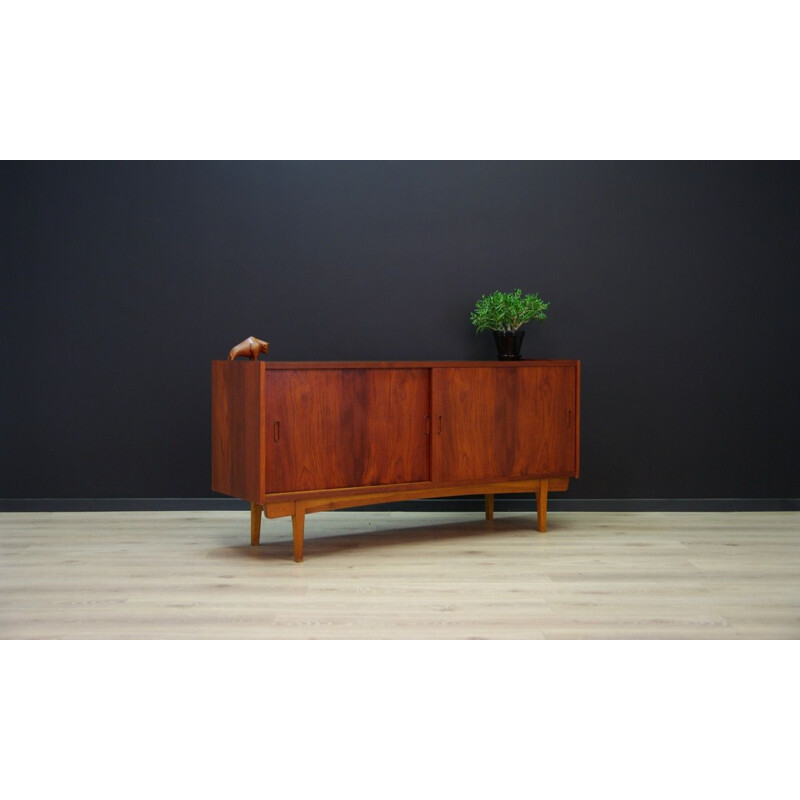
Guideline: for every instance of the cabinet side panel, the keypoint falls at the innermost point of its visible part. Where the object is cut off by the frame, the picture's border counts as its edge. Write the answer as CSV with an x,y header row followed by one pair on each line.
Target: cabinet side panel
x,y
237,464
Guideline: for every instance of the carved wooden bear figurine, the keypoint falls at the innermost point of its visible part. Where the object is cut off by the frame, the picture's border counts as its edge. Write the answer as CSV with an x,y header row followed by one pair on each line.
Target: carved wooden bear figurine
x,y
250,348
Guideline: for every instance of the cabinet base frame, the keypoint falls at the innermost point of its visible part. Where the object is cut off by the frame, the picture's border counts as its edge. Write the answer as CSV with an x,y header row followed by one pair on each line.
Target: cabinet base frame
x,y
330,501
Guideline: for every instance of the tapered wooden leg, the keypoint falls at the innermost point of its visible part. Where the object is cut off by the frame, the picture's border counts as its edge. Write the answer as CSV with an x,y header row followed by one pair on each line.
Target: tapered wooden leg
x,y
298,526
255,523
489,506
541,506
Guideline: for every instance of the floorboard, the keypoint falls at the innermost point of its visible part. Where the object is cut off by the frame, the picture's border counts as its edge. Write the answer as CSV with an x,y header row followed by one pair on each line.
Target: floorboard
x,y
396,575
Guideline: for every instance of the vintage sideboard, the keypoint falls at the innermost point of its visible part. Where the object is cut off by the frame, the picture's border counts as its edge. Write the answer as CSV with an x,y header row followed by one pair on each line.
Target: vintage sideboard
x,y
297,437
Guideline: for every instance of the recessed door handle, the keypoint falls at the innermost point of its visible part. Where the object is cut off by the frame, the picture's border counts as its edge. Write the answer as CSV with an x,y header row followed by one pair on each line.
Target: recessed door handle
x,y
439,430
276,432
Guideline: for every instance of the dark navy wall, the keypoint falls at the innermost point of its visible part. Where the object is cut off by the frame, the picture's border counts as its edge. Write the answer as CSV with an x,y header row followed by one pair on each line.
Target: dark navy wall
x,y
676,284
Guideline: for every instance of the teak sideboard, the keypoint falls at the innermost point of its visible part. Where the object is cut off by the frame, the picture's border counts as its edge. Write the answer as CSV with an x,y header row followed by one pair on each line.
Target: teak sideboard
x,y
297,437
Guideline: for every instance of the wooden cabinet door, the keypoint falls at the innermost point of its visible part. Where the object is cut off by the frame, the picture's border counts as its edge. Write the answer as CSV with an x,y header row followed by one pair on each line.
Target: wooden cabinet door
x,y
503,422
334,428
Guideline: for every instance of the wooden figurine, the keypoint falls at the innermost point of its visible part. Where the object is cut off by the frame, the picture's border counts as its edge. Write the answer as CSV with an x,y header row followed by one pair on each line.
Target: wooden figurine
x,y
250,348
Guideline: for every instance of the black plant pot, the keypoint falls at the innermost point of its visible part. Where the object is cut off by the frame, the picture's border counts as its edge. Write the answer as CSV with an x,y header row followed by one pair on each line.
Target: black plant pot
x,y
508,344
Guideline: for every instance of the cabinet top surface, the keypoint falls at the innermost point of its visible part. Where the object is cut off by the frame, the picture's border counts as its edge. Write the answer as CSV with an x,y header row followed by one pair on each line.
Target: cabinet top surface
x,y
524,362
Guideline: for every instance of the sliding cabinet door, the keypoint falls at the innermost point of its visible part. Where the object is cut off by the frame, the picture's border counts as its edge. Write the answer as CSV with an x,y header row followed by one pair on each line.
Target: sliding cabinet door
x,y
334,428
503,422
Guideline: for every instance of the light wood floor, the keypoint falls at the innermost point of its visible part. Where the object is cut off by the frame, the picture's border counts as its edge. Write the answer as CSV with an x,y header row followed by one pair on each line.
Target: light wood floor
x,y
391,575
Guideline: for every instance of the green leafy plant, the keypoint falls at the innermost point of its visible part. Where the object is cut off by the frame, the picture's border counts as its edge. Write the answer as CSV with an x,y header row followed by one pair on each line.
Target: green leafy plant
x,y
507,311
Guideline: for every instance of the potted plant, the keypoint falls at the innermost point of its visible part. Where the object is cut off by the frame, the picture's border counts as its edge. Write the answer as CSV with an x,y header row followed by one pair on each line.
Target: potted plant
x,y
504,313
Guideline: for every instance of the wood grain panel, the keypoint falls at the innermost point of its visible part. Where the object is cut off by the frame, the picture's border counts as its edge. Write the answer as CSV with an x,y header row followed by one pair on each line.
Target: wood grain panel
x,y
396,447
524,362
328,429
237,413
495,422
